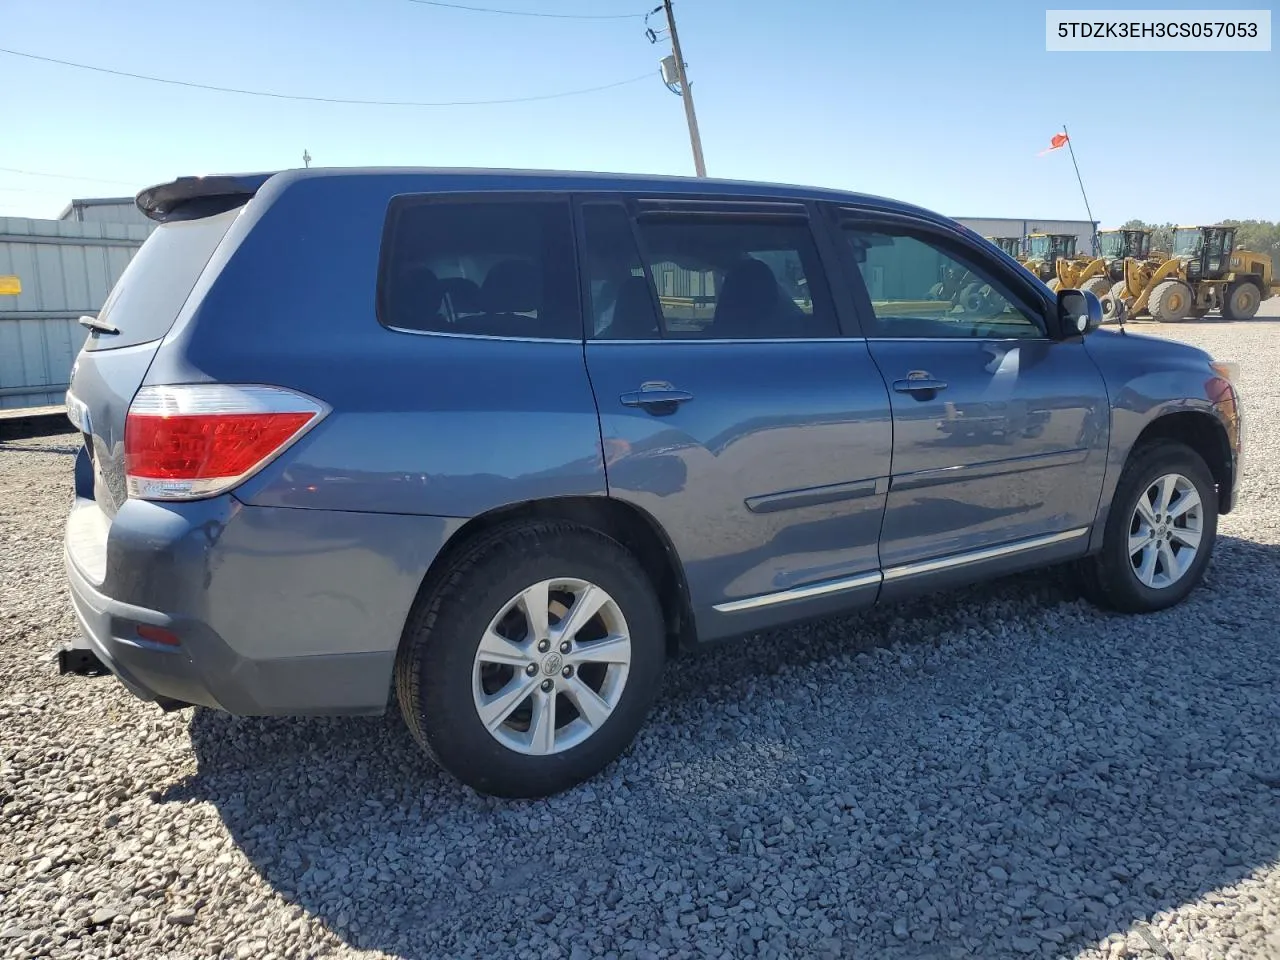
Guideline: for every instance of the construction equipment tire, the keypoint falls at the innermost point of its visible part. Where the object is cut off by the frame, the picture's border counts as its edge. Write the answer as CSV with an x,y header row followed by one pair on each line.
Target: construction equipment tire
x,y
1170,301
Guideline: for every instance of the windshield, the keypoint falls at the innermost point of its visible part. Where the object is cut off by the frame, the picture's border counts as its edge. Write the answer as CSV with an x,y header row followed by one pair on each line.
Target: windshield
x,y
1112,244
1038,246
1186,242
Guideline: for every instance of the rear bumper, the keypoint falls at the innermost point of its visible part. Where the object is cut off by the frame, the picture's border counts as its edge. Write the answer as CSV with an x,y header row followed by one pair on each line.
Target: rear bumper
x,y
204,670
276,610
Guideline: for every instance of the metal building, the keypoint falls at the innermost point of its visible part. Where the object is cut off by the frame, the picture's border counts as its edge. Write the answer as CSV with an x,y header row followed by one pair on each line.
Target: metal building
x,y
1011,227
65,268
104,210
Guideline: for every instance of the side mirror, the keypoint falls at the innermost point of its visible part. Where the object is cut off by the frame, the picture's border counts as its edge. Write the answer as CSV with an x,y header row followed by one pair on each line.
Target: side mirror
x,y
1079,313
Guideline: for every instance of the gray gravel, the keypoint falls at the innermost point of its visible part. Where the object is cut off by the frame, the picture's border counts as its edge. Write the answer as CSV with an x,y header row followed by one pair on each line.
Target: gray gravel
x,y
1001,772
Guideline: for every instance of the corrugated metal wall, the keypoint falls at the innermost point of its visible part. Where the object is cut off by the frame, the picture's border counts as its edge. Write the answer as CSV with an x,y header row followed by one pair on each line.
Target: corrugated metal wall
x,y
66,269
123,210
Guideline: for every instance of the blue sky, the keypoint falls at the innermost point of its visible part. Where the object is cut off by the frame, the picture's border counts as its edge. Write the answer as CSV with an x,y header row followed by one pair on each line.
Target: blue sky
x,y
939,103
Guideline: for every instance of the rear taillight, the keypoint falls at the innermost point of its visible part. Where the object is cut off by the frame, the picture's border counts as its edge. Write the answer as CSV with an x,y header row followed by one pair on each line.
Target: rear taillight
x,y
188,441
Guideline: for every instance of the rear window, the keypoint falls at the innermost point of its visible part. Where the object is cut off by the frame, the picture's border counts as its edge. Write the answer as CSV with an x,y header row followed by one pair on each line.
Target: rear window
x,y
483,267
149,295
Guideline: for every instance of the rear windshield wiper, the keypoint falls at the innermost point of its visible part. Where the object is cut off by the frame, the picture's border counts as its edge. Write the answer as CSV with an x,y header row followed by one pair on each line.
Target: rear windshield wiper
x,y
97,326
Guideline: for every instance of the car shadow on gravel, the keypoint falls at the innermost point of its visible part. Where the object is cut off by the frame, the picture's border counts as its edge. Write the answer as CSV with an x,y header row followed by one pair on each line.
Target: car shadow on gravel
x,y
1000,771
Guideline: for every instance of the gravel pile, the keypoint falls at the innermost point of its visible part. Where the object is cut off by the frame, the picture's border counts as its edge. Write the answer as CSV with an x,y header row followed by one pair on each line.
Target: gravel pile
x,y
1002,772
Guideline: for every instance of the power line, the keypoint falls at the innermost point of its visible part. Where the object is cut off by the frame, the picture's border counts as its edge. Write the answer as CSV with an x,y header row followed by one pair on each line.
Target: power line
x,y
648,75
65,176
40,193
531,13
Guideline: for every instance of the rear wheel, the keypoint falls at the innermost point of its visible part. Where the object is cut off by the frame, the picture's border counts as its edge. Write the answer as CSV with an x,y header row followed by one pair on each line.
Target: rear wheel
x,y
532,663
1170,301
1160,531
1114,307
1243,300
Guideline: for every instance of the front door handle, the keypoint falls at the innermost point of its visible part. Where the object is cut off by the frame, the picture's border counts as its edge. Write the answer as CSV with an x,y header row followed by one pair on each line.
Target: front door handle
x,y
920,385
656,396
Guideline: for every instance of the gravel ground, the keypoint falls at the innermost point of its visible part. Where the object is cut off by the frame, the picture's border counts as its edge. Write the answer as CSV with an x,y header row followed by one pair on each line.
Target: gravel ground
x,y
999,772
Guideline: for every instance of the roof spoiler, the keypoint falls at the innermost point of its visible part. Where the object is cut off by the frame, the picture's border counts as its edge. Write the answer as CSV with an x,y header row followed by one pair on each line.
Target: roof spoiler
x,y
189,198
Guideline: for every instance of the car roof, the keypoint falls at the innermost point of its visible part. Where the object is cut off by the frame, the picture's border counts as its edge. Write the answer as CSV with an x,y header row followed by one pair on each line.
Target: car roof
x,y
484,179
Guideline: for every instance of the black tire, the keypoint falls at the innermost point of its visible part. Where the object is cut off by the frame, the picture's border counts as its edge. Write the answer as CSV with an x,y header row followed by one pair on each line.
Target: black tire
x,y
1242,301
1107,578
1170,302
1114,308
1098,286
434,667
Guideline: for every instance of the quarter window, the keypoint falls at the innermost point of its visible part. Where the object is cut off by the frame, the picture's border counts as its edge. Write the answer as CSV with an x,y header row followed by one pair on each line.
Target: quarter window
x,y
499,268
919,289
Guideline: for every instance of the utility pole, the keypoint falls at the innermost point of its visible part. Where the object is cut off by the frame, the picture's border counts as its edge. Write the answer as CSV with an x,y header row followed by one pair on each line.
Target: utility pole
x,y
306,158
686,94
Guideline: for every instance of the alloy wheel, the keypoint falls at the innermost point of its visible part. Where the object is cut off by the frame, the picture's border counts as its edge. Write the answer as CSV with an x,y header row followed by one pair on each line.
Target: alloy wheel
x,y
1165,531
551,666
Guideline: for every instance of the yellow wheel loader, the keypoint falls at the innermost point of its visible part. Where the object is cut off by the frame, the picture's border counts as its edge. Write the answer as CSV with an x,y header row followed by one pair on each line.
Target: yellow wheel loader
x,y
1082,273
1117,247
1048,254
1251,279
1010,245
1203,274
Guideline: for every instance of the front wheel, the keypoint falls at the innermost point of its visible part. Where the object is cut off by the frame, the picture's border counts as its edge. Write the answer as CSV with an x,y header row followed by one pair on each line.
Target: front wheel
x,y
1170,301
531,664
1160,531
1098,286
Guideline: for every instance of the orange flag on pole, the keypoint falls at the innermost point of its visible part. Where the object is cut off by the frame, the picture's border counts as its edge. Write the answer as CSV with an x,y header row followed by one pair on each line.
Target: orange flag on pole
x,y
1057,143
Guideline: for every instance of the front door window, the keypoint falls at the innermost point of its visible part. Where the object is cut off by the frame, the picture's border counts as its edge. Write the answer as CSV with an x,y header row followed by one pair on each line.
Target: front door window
x,y
918,289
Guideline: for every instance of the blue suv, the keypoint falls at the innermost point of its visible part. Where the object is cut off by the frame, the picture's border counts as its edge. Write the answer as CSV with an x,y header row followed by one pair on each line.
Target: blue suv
x,y
498,444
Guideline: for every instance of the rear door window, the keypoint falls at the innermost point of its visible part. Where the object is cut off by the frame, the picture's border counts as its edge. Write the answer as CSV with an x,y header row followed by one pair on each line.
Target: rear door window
x,y
488,266
709,276
620,299
735,279
150,294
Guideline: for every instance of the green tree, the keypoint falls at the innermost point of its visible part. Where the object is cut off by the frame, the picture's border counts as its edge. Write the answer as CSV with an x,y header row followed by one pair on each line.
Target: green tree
x,y
1261,236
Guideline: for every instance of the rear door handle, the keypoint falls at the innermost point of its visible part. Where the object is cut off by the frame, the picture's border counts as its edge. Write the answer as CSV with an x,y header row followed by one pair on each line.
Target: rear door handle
x,y
920,385
656,396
